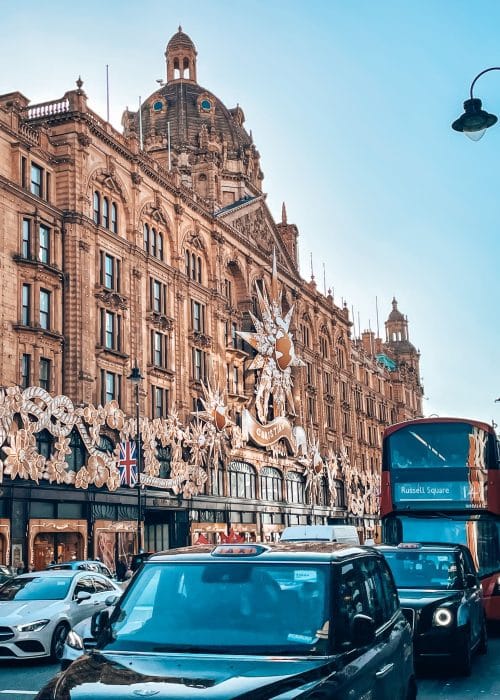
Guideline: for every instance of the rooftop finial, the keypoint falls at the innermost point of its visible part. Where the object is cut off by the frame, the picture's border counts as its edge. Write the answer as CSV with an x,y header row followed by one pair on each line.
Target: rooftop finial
x,y
283,214
180,29
79,82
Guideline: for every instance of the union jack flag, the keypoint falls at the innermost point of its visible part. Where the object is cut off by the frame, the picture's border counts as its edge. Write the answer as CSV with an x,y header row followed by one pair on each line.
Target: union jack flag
x,y
127,464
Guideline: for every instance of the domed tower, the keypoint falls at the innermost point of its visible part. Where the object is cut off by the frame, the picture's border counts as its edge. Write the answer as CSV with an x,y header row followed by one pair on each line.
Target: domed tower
x,y
396,326
397,341
180,55
186,128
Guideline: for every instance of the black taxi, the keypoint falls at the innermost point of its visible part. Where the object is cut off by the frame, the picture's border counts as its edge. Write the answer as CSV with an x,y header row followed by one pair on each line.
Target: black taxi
x,y
287,620
441,596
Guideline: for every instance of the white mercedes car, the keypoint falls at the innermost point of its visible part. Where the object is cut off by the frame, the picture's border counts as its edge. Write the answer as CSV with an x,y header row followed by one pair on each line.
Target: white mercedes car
x,y
37,610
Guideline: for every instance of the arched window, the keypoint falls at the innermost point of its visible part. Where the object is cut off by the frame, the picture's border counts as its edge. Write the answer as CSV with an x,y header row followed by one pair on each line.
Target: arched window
x,y
76,459
105,212
242,480
271,484
153,242
44,442
114,218
97,208
295,487
146,238
194,266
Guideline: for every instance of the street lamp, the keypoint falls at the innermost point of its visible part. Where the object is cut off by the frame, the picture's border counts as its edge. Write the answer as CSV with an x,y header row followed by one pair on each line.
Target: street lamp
x,y
136,378
475,120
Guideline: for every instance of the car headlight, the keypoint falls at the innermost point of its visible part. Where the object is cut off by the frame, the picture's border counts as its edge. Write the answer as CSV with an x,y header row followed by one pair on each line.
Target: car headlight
x,y
443,617
33,626
74,640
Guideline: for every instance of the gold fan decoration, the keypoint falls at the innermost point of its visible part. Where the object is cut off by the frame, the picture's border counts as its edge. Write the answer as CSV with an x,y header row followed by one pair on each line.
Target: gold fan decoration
x,y
276,353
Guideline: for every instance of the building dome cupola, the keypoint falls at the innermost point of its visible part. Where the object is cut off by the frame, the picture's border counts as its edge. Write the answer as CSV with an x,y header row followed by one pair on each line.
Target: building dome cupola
x,y
396,326
180,55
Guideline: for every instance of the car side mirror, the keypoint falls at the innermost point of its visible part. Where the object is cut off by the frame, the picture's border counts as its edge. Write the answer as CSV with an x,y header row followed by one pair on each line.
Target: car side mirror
x,y
111,600
471,580
362,630
82,595
99,622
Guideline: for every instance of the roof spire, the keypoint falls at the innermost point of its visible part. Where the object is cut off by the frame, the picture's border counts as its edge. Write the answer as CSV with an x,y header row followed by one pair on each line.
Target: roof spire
x,y
283,214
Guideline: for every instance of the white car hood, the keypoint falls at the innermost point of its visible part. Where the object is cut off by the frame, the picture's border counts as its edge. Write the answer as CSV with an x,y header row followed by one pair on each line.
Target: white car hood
x,y
15,612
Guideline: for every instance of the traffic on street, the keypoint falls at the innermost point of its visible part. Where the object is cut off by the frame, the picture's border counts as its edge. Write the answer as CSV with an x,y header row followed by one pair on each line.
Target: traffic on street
x,y
24,679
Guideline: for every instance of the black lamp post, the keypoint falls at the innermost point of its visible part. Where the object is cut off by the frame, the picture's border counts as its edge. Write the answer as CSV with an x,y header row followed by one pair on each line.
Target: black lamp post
x,y
136,378
475,120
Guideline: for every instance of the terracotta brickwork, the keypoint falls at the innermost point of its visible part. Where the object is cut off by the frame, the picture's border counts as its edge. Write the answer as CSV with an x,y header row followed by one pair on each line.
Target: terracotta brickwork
x,y
149,247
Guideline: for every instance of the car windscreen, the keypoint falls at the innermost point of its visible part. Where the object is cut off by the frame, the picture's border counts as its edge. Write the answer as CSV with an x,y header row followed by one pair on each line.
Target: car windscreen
x,y
224,607
35,588
433,570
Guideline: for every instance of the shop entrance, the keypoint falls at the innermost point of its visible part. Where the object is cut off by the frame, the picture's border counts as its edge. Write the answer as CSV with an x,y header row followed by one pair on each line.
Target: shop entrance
x,y
115,541
56,546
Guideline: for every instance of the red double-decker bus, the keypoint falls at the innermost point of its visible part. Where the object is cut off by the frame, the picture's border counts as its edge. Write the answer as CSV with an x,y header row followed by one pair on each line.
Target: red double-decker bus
x,y
441,483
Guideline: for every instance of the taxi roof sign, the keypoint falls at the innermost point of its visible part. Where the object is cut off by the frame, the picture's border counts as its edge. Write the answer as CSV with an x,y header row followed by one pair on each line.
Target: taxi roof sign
x,y
238,550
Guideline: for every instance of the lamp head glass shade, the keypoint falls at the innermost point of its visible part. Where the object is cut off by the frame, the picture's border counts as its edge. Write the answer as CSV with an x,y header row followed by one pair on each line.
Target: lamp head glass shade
x,y
474,121
135,376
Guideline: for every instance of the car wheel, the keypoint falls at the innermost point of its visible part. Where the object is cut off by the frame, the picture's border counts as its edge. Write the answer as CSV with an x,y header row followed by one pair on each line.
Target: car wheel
x,y
462,659
58,639
482,647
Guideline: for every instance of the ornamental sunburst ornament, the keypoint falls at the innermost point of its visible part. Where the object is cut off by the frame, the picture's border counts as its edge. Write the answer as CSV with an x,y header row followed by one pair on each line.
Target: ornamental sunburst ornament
x,y
275,351
214,405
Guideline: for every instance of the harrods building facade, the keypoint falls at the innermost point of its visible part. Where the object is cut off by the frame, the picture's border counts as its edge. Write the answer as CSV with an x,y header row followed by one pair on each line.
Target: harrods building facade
x,y
258,408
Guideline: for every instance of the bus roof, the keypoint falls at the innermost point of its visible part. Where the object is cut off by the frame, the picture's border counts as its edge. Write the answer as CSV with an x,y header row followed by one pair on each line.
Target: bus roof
x,y
417,421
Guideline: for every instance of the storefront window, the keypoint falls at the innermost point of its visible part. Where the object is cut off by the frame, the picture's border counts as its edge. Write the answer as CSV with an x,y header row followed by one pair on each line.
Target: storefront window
x,y
242,480
271,484
295,487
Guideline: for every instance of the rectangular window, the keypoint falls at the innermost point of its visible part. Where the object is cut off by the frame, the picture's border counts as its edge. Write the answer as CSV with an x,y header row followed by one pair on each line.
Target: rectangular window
x,y
36,180
24,170
160,402
25,370
44,244
26,305
228,291
44,377
110,330
110,386
159,345
198,317
199,364
329,416
44,309
158,296
109,273
26,243
311,406
309,373
327,382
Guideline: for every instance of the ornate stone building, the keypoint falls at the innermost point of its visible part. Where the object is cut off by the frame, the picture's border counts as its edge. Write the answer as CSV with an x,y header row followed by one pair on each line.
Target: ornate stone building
x,y
155,247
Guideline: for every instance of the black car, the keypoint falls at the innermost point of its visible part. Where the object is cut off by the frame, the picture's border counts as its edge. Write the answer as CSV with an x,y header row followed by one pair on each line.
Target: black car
x,y
253,621
441,596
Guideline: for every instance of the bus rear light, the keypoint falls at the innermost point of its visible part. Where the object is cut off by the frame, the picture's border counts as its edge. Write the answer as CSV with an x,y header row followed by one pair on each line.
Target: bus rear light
x,y
496,587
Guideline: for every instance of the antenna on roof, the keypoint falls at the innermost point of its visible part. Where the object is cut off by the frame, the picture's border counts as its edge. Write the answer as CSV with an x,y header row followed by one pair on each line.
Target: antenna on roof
x,y
140,124
107,92
376,309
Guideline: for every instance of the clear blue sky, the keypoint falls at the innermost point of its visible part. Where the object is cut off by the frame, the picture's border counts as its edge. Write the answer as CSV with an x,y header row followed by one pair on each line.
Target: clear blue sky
x,y
350,105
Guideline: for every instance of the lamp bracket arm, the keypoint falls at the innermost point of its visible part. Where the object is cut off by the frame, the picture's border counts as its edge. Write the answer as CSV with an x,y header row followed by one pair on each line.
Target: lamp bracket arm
x,y
487,70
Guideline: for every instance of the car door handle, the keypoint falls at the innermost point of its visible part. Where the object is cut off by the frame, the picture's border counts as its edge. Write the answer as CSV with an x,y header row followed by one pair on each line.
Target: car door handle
x,y
384,671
